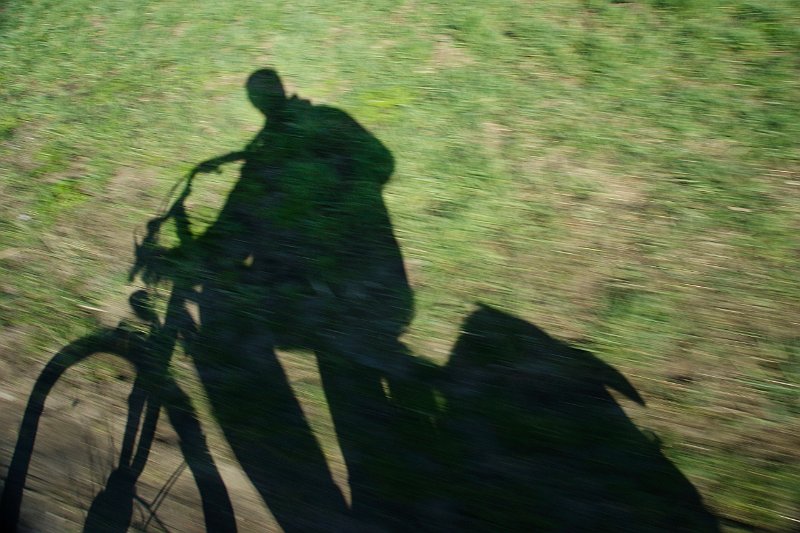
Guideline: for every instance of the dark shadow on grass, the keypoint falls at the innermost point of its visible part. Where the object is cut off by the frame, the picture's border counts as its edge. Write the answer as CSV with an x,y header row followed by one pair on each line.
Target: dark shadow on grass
x,y
516,433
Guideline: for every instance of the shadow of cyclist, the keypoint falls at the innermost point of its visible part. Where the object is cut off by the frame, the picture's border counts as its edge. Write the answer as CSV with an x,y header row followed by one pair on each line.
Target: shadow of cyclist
x,y
302,255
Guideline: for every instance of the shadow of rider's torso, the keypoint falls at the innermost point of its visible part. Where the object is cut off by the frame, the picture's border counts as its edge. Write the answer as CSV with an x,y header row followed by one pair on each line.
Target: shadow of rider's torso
x,y
304,238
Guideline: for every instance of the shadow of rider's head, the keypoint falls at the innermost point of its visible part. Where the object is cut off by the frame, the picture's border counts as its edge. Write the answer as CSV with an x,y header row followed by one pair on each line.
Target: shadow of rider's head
x,y
266,92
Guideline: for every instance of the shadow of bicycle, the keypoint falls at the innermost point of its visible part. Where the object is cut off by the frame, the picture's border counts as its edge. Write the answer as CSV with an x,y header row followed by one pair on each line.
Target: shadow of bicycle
x,y
517,432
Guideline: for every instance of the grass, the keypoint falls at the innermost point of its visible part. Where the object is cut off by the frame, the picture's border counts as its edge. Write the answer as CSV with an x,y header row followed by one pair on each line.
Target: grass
x,y
623,174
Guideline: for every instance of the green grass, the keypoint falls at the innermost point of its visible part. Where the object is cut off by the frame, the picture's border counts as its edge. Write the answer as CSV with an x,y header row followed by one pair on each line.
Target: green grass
x,y
626,175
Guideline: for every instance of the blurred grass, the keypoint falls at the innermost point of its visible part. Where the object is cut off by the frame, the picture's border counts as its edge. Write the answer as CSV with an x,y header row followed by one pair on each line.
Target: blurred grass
x,y
623,174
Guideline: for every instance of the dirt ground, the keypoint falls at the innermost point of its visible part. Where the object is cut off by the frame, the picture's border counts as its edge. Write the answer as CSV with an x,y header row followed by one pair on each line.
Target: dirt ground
x,y
76,449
